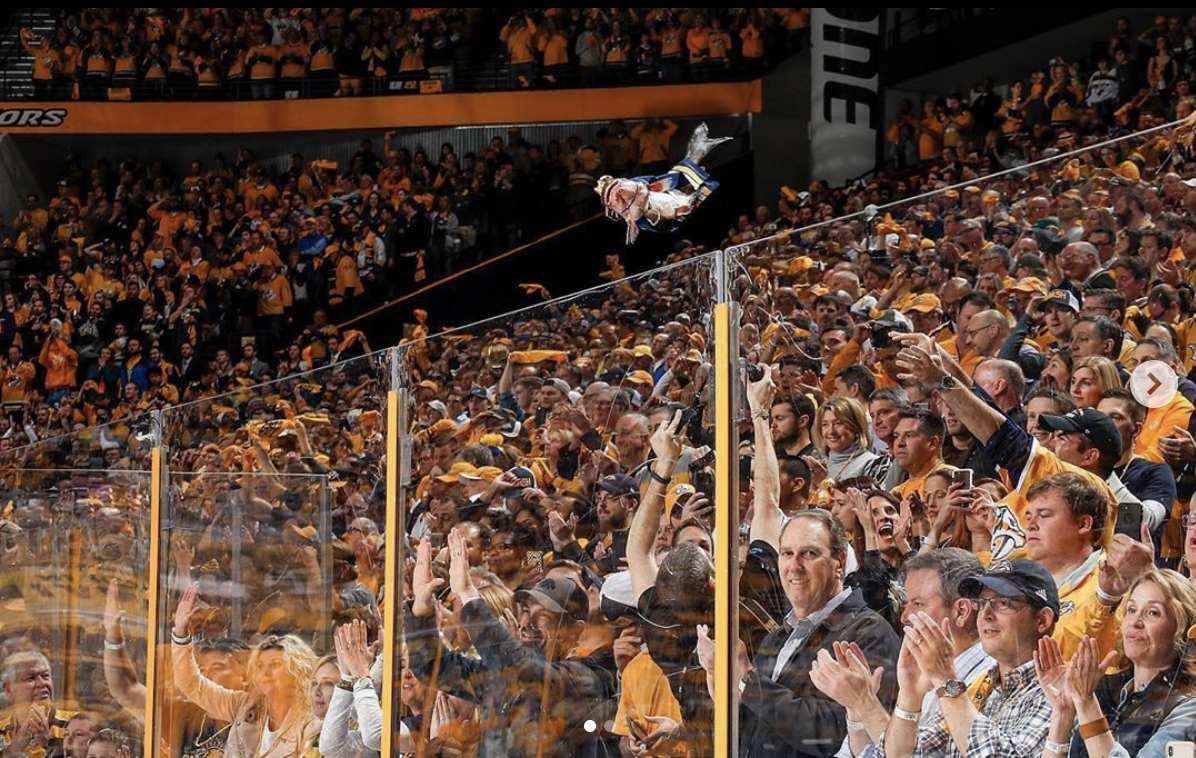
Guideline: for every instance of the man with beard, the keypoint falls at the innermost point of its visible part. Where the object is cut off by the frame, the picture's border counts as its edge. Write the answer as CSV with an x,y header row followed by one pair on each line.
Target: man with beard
x,y
533,690
791,421
618,496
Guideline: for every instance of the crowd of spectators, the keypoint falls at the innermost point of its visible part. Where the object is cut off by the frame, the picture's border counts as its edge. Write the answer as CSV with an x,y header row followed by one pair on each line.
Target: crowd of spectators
x,y
264,53
593,46
1130,82
960,533
258,53
133,289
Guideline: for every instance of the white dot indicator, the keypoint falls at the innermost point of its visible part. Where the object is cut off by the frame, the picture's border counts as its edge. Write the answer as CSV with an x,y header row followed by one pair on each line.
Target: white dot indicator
x,y
591,725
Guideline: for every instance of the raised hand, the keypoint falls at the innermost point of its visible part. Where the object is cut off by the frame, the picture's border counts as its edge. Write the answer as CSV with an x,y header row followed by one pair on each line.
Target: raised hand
x,y
627,646
761,393
561,531
910,677
932,648
1048,664
460,580
818,470
113,614
666,440
188,604
696,508
1127,560
863,512
919,363
423,584
844,676
705,648
351,649
1085,672
1179,448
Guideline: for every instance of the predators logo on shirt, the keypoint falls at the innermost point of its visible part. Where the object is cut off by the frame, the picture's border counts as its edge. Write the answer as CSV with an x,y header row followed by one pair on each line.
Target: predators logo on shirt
x,y
1008,534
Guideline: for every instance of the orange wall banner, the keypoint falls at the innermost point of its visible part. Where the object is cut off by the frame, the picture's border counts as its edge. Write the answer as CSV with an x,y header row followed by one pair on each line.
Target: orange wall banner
x,y
456,109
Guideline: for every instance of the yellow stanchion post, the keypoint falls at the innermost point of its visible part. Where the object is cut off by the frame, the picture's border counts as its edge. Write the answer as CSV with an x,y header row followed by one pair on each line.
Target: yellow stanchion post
x,y
151,631
393,584
726,519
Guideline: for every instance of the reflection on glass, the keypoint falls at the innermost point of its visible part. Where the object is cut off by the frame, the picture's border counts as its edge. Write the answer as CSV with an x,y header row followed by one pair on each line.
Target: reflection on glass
x,y
72,600
561,464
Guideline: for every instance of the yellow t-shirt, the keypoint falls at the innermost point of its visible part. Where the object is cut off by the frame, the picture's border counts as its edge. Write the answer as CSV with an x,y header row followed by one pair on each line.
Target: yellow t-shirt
x,y
646,692
1082,614
1159,423
918,485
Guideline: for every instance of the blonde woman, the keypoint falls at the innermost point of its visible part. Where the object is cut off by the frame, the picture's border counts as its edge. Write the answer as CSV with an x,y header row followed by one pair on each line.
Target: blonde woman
x,y
842,433
273,718
1090,378
1137,711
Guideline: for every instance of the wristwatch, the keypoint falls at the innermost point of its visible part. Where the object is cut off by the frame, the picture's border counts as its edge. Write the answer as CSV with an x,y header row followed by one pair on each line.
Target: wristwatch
x,y
952,688
948,382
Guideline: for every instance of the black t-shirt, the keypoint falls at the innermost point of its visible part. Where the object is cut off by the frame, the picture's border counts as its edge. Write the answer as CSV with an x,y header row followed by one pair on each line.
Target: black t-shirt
x,y
762,601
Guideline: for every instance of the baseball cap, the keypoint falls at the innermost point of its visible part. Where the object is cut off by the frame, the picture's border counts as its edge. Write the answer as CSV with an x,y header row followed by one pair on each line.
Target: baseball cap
x,y
455,472
925,303
619,485
511,428
1028,284
489,473
617,597
1015,578
675,494
559,384
524,478
639,377
1100,430
479,392
559,596
1060,297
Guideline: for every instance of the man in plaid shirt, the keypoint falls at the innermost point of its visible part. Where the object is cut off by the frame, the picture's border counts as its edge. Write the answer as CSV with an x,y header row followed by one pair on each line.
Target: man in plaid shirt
x,y
1005,713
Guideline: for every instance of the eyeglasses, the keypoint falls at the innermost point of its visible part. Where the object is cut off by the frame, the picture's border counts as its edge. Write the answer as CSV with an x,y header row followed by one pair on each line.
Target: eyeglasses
x,y
1189,521
999,604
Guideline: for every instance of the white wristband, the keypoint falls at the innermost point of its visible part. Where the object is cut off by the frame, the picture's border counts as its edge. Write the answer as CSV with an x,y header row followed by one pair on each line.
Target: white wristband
x,y
855,726
904,715
1106,598
1059,748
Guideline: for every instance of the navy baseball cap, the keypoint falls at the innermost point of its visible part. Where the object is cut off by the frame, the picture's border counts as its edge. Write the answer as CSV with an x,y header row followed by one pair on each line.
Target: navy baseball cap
x,y
1016,578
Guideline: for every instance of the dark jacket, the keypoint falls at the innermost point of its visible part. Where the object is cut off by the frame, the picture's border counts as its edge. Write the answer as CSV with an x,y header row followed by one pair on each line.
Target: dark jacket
x,y
789,716
508,683
1136,716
